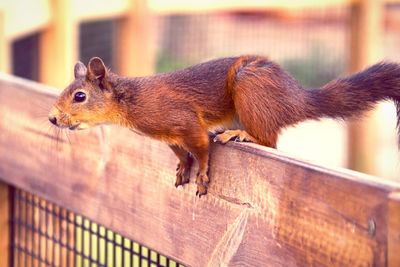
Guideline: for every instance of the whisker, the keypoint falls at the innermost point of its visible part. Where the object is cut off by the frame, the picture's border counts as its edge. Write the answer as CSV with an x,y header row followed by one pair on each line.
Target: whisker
x,y
67,135
51,132
58,145
75,137
40,116
43,123
45,108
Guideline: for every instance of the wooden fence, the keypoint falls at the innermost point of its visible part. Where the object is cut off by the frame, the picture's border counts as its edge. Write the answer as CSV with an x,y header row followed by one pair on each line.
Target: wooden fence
x,y
263,208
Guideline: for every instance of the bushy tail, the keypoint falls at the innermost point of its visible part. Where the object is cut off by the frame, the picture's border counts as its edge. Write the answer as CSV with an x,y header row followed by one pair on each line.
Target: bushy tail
x,y
352,95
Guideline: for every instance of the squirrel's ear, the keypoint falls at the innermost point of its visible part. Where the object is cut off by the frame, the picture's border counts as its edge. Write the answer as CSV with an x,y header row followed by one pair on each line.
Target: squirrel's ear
x,y
79,70
96,69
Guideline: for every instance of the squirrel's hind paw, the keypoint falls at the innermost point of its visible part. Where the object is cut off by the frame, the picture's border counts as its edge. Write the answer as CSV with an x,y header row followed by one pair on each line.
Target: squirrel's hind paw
x,y
237,135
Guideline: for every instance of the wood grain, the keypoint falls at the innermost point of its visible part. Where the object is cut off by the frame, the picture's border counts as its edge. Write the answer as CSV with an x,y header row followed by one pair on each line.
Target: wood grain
x,y
263,207
394,230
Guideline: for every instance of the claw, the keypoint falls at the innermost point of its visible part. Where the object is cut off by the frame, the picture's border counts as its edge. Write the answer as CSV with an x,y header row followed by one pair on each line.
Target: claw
x,y
201,190
182,182
183,173
198,194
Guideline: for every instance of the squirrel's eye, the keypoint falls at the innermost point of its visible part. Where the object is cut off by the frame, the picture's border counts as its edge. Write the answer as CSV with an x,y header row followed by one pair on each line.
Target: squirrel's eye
x,y
79,96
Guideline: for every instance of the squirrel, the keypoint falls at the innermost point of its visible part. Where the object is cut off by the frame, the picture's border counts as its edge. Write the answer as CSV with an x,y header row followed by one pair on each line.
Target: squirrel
x,y
251,98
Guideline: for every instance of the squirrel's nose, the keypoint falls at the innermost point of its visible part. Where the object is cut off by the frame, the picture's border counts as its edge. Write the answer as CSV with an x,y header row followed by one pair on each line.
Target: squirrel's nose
x,y
53,119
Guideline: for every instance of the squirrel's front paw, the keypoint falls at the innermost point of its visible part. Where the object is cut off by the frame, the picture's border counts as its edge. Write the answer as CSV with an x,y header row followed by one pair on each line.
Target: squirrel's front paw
x,y
201,190
183,173
202,181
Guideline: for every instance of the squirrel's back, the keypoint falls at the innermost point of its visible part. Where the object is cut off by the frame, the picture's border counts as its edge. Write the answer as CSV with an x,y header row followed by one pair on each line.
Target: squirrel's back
x,y
192,89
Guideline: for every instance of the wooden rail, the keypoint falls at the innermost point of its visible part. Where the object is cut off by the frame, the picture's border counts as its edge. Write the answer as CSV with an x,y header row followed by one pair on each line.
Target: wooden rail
x,y
263,208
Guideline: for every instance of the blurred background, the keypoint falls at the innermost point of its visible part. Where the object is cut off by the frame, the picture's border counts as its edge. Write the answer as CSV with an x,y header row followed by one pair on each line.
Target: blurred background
x,y
315,41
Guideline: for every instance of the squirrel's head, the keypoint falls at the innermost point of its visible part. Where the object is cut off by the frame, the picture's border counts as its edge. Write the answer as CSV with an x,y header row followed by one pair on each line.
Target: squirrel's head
x,y
87,101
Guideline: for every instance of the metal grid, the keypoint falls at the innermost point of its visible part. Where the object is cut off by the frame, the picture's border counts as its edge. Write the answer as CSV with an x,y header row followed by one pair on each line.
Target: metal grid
x,y
25,57
97,38
302,44
44,234
311,43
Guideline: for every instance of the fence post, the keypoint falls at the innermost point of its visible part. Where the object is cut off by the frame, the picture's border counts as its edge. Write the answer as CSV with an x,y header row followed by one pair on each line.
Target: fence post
x,y
5,246
135,45
365,49
58,46
4,46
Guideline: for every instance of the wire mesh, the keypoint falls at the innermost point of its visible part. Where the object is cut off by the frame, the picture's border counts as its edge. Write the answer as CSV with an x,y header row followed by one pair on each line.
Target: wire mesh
x,y
97,39
45,234
25,57
300,41
312,43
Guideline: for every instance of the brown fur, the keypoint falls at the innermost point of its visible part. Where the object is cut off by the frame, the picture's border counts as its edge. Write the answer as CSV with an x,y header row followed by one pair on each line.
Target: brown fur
x,y
248,93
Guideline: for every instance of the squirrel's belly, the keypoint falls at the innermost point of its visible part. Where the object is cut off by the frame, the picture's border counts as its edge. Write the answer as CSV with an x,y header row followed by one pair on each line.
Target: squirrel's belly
x,y
171,140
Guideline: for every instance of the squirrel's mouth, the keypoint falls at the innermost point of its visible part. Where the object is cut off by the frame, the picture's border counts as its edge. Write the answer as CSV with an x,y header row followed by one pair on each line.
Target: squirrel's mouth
x,y
79,126
74,127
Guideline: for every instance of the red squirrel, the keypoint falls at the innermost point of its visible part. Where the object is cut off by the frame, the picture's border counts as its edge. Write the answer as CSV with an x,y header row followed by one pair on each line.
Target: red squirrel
x,y
250,97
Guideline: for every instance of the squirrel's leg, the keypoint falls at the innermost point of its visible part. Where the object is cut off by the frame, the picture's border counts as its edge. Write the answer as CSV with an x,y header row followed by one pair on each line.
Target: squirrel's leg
x,y
202,179
199,149
262,131
239,136
184,165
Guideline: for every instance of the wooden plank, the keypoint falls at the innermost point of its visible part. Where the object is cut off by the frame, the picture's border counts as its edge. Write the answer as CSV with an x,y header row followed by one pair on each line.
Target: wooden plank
x,y
262,206
5,246
394,230
366,35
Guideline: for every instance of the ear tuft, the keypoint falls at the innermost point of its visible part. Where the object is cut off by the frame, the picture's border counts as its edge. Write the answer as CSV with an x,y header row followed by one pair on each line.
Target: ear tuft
x,y
79,70
96,68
